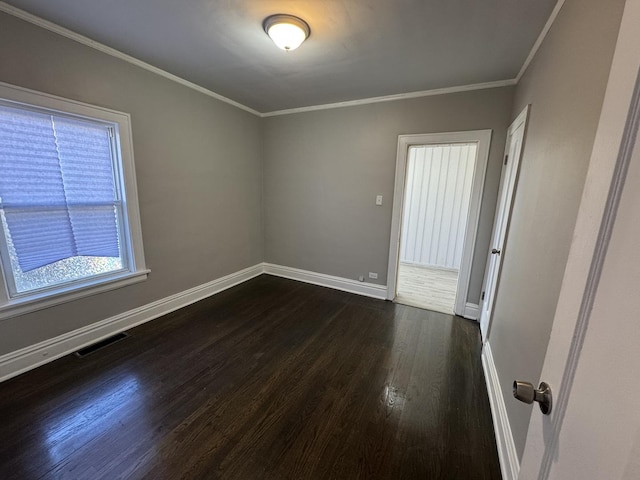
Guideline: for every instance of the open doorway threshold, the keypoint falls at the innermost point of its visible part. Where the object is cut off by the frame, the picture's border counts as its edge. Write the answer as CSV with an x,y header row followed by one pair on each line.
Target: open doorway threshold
x,y
427,287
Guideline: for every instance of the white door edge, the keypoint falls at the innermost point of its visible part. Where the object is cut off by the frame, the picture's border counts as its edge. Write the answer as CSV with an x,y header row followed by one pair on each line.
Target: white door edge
x,y
514,163
612,151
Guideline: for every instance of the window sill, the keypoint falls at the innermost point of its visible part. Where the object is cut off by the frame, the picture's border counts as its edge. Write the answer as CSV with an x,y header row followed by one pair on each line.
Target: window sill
x,y
21,306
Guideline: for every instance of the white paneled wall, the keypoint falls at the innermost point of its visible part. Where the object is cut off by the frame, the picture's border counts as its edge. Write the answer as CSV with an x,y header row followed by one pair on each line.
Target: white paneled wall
x,y
436,204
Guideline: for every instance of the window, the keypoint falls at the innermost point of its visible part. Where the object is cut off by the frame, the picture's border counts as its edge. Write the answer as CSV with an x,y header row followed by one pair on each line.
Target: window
x,y
68,203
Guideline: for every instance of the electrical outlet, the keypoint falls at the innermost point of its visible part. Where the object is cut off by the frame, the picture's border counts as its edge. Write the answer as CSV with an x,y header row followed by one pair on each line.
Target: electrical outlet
x,y
378,199
373,275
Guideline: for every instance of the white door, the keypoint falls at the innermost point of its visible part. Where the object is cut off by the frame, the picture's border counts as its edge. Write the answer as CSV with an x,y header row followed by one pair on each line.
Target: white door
x,y
593,357
515,137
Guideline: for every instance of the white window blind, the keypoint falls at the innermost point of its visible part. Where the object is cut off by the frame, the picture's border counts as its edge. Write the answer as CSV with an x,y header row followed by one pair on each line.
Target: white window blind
x,y
69,217
57,187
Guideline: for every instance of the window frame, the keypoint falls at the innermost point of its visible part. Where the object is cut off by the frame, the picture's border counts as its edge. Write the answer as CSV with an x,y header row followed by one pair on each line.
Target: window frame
x,y
132,251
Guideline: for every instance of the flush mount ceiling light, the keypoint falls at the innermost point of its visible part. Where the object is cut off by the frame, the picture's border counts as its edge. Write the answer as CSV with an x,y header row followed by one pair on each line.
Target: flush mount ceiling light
x,y
286,31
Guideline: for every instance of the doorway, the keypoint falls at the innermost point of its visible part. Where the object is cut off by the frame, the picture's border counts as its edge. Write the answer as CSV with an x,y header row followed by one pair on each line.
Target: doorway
x,y
439,181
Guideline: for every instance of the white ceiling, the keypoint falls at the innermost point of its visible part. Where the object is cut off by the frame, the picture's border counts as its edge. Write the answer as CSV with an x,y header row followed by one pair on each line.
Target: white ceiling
x,y
357,48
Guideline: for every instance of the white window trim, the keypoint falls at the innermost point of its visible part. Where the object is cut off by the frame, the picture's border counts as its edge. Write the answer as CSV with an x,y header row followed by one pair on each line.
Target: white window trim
x,y
11,307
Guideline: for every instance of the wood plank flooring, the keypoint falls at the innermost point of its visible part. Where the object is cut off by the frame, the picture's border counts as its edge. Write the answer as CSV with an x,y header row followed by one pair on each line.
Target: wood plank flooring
x,y
424,287
272,379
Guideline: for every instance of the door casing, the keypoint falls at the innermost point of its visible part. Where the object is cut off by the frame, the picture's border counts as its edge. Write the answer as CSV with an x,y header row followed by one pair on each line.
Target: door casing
x,y
483,139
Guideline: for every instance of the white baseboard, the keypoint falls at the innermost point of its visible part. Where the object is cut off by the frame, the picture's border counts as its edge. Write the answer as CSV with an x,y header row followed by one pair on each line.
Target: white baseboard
x,y
338,283
471,311
507,453
28,358
33,356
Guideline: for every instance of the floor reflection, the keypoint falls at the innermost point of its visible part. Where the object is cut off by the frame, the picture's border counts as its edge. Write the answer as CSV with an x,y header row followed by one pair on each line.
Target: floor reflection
x,y
275,379
95,416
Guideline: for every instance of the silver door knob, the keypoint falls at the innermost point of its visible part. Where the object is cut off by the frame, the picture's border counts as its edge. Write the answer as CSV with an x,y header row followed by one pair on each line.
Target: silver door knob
x,y
495,251
525,392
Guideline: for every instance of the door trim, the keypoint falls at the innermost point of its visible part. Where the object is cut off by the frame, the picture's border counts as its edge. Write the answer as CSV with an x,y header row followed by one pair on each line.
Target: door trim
x,y
483,139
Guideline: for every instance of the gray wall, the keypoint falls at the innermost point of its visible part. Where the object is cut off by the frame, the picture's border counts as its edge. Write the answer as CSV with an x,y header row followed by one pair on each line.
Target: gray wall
x,y
323,170
565,86
199,171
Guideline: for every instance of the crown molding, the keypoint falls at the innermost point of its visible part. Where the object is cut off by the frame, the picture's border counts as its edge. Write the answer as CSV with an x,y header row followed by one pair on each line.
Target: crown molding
x,y
392,98
541,37
65,32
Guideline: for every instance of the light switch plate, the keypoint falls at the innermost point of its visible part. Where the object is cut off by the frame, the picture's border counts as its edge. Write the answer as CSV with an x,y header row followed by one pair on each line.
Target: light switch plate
x,y
378,199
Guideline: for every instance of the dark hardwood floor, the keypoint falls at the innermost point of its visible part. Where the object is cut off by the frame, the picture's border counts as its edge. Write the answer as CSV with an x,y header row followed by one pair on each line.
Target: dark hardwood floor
x,y
272,379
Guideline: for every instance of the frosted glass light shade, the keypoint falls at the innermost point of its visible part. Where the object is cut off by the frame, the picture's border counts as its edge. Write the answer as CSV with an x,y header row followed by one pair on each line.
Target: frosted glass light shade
x,y
286,31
